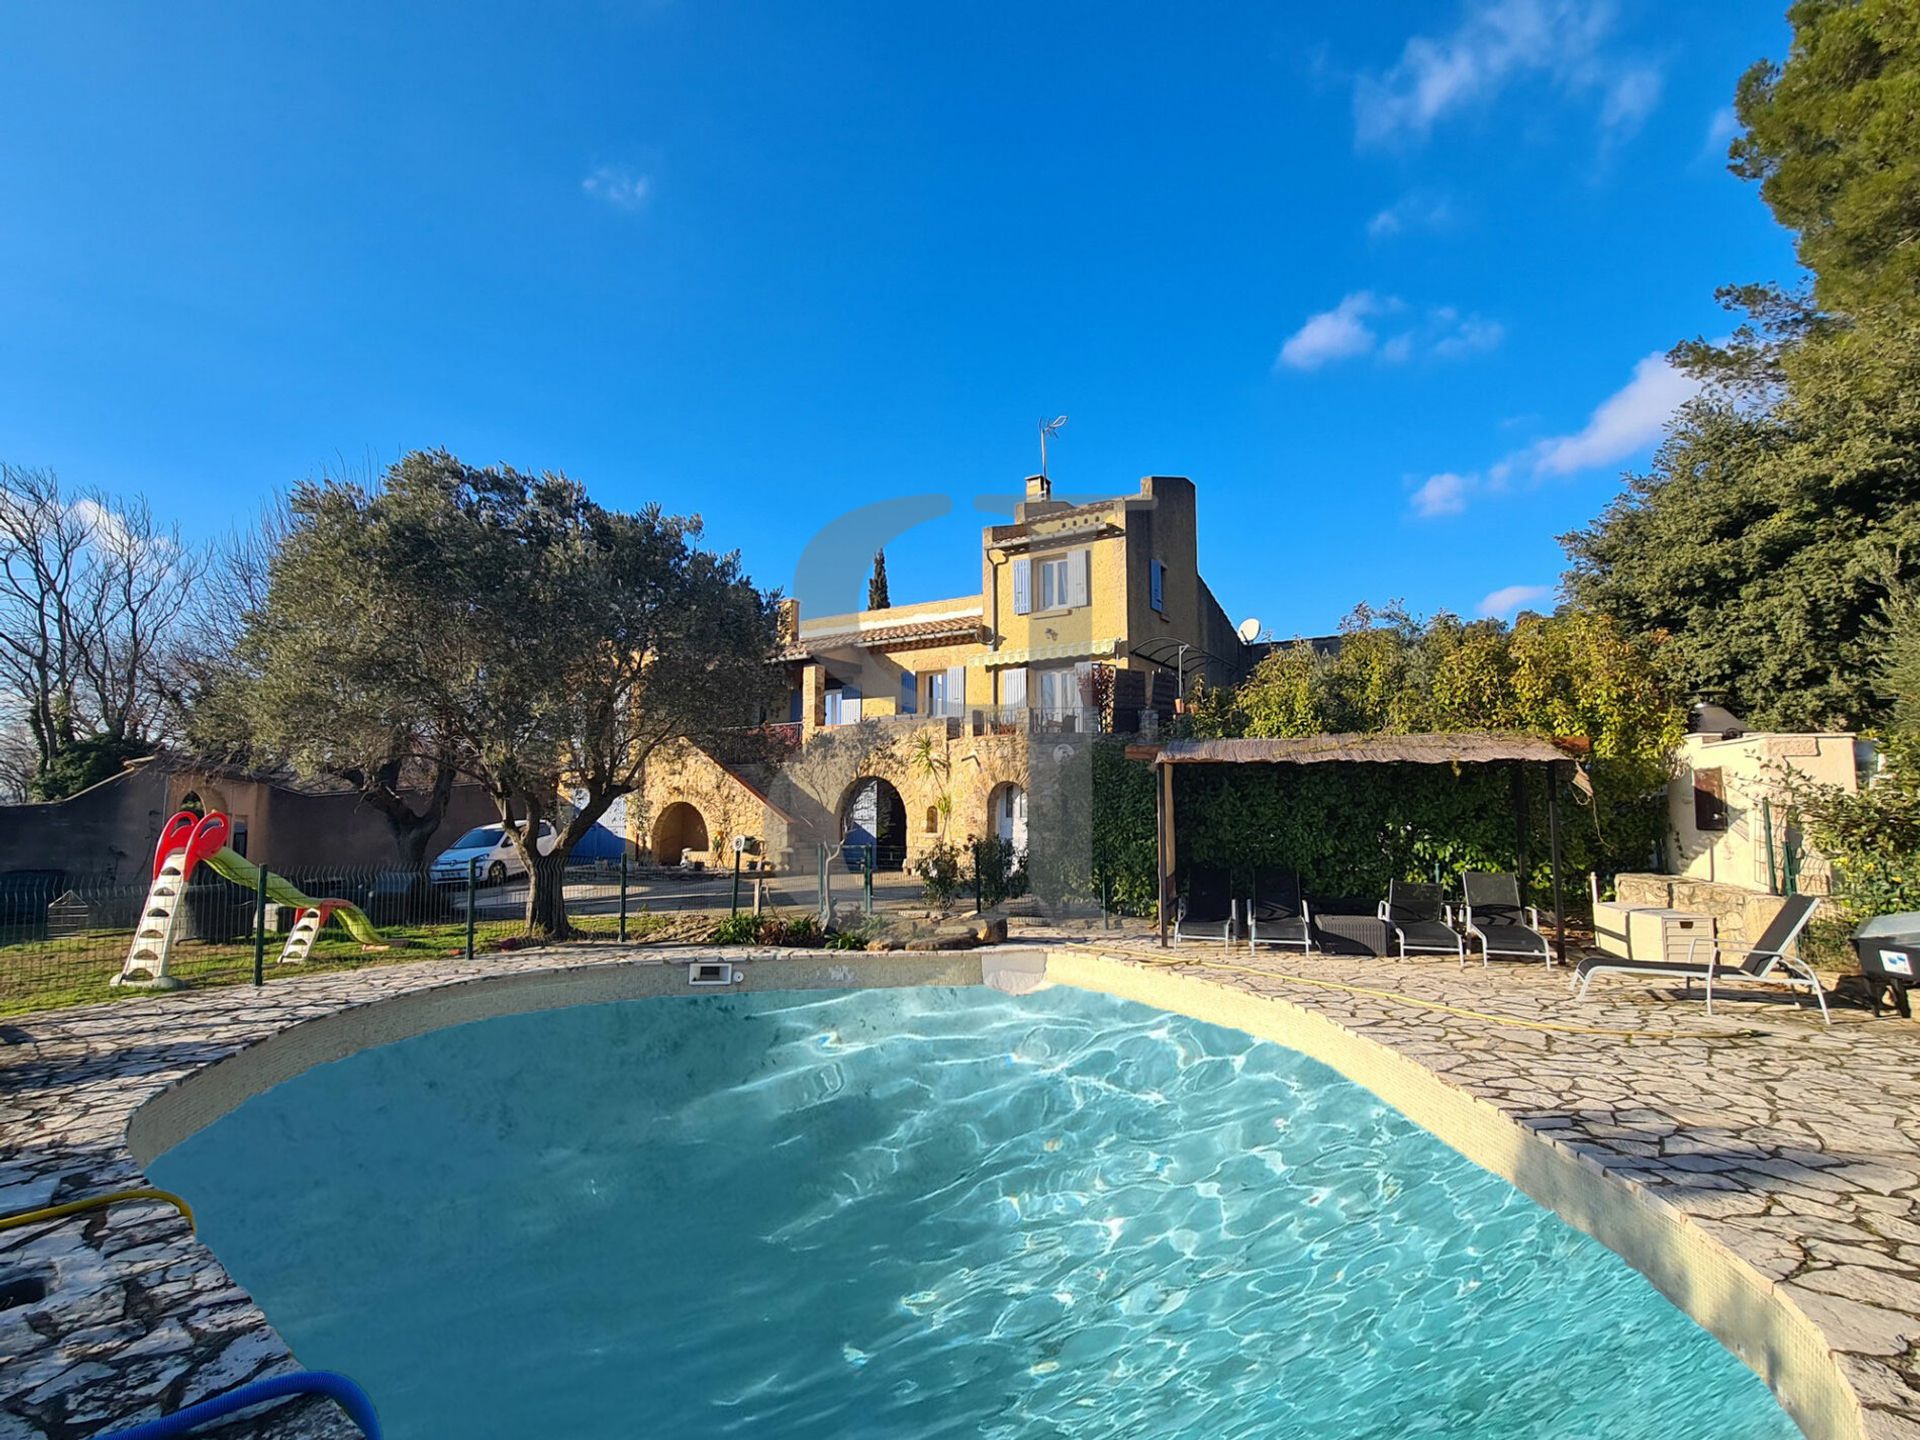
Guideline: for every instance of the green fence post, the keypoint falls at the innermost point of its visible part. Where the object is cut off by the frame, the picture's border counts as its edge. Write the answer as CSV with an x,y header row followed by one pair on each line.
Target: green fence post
x,y
867,865
826,892
473,884
260,929
974,850
623,895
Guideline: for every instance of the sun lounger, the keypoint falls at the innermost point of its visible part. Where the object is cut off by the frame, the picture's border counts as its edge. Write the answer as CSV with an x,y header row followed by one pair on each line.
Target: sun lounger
x,y
1421,921
1206,910
1276,915
1766,961
1493,915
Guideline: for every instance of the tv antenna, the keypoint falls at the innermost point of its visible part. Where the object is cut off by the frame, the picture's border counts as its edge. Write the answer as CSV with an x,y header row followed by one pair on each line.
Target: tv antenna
x,y
1048,427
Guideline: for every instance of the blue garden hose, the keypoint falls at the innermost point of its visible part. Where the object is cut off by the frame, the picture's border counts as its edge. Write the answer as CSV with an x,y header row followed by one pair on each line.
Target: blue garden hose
x,y
338,1388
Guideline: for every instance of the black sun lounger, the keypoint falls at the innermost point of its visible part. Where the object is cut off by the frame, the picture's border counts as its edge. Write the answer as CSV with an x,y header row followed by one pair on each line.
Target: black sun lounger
x,y
1766,962
1494,916
1421,921
1277,915
1206,910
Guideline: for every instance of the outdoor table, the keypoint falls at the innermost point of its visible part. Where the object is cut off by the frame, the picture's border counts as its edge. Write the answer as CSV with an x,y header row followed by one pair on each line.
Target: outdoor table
x,y
1350,934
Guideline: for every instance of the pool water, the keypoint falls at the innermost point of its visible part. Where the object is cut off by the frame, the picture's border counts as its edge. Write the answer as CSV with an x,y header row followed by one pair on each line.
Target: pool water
x,y
920,1213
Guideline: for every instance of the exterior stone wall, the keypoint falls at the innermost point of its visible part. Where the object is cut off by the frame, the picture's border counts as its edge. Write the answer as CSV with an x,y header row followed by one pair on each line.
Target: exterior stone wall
x,y
946,778
1740,915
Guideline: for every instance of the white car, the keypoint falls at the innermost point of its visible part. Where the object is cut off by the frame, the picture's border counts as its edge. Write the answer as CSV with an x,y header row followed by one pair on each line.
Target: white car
x,y
498,861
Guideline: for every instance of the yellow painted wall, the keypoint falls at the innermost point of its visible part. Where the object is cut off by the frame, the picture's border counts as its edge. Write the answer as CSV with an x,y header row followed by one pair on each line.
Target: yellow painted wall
x,y
1750,769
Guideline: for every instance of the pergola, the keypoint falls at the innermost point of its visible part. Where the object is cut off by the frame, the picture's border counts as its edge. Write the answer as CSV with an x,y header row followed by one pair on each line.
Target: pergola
x,y
1473,747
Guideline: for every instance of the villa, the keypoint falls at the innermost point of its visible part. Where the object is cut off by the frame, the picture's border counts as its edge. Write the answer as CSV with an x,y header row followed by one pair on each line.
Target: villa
x,y
917,724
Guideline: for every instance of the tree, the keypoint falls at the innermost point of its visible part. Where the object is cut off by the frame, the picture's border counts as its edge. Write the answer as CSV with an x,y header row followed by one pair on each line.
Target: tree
x,y
1573,673
877,598
263,683
1785,501
543,644
1830,137
93,592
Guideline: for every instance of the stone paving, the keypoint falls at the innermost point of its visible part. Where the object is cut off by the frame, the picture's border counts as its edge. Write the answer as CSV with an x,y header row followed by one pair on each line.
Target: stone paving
x,y
1795,1147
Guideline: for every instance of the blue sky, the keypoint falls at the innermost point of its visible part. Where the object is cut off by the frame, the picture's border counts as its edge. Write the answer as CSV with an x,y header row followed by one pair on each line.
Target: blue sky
x,y
1389,282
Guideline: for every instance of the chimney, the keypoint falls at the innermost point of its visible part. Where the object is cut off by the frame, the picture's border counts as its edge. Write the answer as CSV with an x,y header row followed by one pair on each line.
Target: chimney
x,y
788,620
1039,500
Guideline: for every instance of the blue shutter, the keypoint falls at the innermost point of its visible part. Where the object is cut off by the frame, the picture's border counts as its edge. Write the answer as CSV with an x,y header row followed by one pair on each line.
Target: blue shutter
x,y
1023,586
1158,584
908,684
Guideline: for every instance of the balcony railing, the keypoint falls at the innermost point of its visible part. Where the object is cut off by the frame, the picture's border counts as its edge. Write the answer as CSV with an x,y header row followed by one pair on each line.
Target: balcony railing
x,y
1031,720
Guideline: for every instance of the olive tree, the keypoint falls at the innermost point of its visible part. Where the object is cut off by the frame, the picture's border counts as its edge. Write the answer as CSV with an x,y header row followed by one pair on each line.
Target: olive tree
x,y
506,625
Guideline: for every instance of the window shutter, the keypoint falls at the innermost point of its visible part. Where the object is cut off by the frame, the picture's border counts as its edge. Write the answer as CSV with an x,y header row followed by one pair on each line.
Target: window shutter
x,y
909,692
1023,586
1079,577
1709,800
1157,584
1013,687
956,689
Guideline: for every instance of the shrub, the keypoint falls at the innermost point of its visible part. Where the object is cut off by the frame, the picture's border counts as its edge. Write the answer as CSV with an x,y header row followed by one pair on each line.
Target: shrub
x,y
1000,871
940,873
737,929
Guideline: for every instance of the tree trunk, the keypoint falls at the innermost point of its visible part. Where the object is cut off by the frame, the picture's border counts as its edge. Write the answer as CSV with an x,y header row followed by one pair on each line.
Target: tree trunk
x,y
547,896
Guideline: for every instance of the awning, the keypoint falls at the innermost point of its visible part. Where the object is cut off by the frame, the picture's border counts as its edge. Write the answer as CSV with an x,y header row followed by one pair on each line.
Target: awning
x,y
1047,654
1466,747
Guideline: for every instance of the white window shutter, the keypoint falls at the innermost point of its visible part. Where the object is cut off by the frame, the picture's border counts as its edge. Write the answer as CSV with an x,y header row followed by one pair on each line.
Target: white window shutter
x,y
1013,687
1023,586
956,689
1079,577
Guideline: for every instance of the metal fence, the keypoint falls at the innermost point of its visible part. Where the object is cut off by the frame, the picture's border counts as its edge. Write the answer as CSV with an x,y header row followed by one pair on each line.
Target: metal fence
x,y
62,941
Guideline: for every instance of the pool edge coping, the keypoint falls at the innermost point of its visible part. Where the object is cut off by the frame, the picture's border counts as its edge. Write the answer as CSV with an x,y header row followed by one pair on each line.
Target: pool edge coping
x,y
1722,1292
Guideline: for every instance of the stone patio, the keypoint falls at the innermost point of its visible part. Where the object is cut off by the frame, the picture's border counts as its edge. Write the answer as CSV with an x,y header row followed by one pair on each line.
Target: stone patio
x,y
1793,1148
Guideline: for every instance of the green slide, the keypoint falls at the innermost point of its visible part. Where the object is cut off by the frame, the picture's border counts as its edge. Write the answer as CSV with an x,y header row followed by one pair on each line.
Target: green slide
x,y
229,864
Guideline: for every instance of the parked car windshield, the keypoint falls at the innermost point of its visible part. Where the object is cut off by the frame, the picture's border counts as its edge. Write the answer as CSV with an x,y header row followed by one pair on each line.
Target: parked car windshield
x,y
482,837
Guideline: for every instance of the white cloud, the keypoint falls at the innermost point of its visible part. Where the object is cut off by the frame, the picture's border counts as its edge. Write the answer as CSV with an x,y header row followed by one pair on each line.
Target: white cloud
x,y
1337,334
1496,43
1510,598
1442,495
1630,97
1625,423
1721,130
618,187
1414,211
1458,336
1349,331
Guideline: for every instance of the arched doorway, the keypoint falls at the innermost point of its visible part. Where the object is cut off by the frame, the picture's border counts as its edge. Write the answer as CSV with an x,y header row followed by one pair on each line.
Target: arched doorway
x,y
1007,815
680,828
873,821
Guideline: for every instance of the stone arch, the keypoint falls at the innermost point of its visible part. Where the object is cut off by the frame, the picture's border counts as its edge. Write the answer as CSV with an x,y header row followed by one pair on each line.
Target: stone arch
x,y
679,828
873,821
1007,813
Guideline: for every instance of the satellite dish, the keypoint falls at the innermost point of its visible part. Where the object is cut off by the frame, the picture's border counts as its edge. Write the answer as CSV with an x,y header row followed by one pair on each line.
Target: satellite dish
x,y
1249,630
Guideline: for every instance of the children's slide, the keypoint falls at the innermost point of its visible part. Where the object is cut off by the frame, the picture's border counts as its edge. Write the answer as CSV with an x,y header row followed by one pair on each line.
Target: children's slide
x,y
188,841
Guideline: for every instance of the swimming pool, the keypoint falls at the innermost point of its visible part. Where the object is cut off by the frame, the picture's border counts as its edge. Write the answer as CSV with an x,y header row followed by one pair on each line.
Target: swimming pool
x,y
931,1212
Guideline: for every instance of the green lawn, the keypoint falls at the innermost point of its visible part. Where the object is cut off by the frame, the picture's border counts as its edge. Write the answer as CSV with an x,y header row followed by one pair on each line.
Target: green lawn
x,y
76,970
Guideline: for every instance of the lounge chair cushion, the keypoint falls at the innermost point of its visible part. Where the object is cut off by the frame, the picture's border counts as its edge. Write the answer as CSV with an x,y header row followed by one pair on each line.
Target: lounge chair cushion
x,y
1510,939
1428,935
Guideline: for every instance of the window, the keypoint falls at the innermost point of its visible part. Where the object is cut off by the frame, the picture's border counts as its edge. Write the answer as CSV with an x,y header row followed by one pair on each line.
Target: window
x,y
1053,583
1709,800
836,707
946,690
1062,696
1157,585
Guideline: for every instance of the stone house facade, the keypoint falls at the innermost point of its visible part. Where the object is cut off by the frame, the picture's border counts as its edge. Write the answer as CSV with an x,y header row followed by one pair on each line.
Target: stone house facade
x,y
953,719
